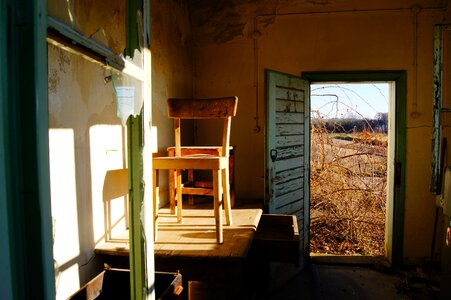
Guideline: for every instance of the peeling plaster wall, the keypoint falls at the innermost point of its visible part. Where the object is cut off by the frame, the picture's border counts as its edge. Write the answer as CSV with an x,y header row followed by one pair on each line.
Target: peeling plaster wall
x,y
171,72
87,145
223,20
86,141
103,20
322,36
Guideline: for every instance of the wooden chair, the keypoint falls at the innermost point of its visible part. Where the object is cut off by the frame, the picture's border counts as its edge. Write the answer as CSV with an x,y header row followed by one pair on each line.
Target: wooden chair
x,y
178,109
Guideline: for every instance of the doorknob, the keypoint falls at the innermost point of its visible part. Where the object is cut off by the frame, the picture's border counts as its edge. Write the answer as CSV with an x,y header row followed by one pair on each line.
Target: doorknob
x,y
273,154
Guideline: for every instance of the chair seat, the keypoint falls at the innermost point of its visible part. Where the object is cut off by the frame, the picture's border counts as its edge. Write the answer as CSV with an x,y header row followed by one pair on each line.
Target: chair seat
x,y
199,162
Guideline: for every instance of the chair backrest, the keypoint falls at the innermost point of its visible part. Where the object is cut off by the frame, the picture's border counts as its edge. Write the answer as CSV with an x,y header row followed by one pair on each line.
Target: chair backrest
x,y
215,108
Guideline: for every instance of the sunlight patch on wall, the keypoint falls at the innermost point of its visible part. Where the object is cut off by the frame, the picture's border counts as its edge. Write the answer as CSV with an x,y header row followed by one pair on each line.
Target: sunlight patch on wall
x,y
66,245
68,282
108,152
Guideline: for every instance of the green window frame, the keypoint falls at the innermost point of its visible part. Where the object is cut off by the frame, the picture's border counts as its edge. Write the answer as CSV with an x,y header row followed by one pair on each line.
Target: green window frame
x,y
26,245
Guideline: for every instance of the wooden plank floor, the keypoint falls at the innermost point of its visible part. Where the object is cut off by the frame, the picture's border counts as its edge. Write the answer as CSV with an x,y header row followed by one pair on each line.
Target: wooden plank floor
x,y
195,237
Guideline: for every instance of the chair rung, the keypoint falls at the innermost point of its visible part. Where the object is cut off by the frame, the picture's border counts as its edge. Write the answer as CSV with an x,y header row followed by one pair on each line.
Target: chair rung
x,y
203,184
198,184
197,191
187,163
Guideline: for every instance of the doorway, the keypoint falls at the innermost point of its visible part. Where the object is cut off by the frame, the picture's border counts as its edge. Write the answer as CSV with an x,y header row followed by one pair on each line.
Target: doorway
x,y
391,247
348,168
287,180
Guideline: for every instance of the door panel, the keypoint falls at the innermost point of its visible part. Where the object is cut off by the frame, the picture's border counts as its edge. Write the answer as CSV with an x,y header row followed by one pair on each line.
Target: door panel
x,y
287,148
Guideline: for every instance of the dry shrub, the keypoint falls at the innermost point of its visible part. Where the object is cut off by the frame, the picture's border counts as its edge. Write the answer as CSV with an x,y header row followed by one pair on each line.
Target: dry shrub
x,y
348,192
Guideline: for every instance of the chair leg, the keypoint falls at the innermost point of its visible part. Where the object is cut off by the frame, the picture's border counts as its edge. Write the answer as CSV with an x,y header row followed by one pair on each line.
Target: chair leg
x,y
172,191
217,205
191,181
226,196
179,195
156,200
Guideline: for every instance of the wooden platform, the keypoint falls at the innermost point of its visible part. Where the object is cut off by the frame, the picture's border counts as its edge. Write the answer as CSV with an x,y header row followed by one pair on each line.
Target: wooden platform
x,y
231,270
195,237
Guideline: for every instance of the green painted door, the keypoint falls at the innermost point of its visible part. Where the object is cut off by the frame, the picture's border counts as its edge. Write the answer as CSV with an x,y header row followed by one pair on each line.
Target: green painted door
x,y
287,148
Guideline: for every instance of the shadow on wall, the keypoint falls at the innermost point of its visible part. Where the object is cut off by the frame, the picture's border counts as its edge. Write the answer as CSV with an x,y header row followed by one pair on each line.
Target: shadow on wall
x,y
115,193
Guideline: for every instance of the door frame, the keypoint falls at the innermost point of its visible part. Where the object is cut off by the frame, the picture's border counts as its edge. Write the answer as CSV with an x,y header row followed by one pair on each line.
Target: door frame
x,y
400,81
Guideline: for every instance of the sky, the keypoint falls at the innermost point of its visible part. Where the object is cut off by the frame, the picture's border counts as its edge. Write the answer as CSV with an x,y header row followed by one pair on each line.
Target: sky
x,y
334,100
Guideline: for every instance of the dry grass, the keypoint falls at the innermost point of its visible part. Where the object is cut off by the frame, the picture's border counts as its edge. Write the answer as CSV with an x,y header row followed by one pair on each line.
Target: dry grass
x,y
348,192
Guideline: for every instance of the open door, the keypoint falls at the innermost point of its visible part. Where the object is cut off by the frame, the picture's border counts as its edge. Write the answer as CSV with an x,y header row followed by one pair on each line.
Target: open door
x,y
287,149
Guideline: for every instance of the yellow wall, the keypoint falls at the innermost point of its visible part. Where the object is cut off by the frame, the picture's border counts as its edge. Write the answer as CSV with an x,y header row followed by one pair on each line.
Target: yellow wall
x,y
86,141
370,39
88,145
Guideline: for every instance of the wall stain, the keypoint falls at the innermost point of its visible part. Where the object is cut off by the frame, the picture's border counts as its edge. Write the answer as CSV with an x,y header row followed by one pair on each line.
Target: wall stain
x,y
53,81
62,65
220,21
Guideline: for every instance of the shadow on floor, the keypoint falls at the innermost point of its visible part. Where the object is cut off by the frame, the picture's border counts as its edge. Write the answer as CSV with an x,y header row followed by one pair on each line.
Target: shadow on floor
x,y
320,281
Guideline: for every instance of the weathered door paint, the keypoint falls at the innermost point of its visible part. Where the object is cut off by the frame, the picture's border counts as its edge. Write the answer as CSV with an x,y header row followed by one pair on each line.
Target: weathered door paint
x,y
287,148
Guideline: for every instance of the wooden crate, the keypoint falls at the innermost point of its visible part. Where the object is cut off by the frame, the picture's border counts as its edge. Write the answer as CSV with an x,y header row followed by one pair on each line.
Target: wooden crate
x,y
115,284
276,239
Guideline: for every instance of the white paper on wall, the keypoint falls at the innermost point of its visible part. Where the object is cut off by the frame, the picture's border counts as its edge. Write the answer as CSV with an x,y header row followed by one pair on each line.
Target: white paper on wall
x,y
125,103
129,96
